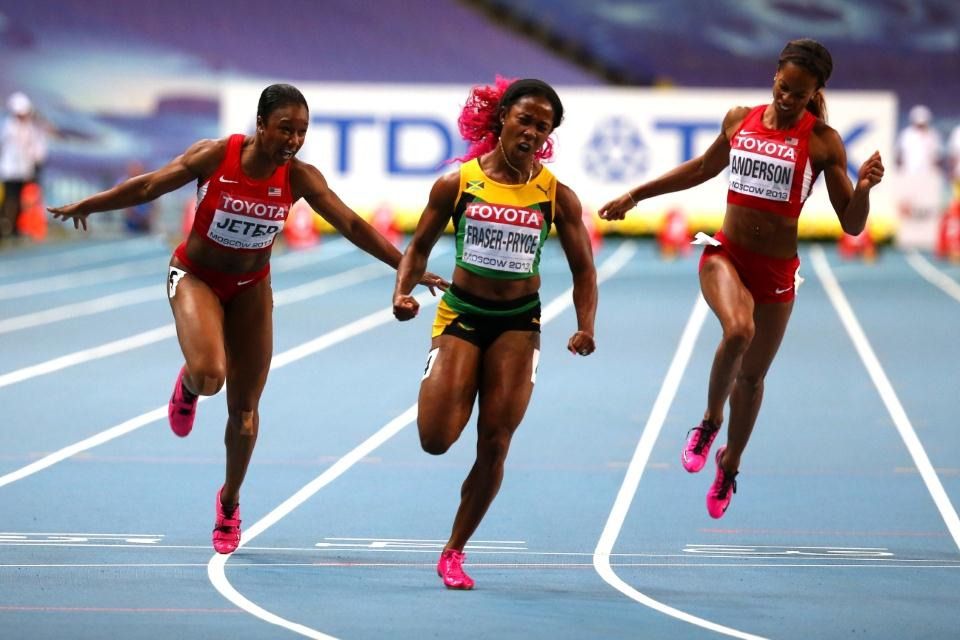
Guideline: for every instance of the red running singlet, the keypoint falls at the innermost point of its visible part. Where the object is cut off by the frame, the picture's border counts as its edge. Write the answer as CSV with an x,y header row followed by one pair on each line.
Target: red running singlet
x,y
236,212
770,169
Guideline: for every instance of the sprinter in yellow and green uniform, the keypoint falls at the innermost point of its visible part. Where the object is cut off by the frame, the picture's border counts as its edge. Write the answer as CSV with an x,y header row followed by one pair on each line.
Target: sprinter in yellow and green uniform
x,y
486,334
500,230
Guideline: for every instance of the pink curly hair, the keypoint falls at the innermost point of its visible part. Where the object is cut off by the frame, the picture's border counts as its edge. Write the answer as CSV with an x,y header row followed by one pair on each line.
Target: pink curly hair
x,y
479,124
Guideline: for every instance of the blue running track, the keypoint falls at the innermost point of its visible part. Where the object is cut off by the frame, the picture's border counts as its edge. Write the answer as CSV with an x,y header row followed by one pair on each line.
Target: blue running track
x,y
844,524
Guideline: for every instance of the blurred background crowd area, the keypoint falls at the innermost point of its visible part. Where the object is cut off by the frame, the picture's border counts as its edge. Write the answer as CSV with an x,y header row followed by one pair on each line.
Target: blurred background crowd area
x,y
110,90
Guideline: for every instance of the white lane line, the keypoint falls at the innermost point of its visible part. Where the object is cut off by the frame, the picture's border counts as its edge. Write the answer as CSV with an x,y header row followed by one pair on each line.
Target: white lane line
x,y
281,298
628,490
216,567
89,443
291,355
287,296
86,355
86,308
290,260
299,259
80,255
610,267
351,564
933,275
887,393
74,279
417,540
110,302
74,534
477,549
327,284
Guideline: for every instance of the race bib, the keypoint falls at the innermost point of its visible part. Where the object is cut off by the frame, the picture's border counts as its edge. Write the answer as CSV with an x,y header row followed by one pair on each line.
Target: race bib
x,y
503,238
246,223
762,168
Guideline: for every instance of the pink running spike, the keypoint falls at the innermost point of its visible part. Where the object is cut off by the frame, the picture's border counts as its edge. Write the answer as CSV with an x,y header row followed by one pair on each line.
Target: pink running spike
x,y
450,568
695,451
181,411
722,490
226,531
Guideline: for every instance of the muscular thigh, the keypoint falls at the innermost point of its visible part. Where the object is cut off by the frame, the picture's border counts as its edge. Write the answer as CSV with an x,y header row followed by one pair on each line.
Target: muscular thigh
x,y
724,291
507,379
449,384
248,328
198,316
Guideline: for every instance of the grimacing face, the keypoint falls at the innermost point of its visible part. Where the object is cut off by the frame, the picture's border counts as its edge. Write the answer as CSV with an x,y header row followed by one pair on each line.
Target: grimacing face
x,y
284,132
526,125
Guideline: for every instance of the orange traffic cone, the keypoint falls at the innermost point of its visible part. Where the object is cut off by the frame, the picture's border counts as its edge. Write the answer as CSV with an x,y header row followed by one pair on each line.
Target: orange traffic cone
x,y
593,231
385,223
948,238
861,245
674,236
299,231
32,221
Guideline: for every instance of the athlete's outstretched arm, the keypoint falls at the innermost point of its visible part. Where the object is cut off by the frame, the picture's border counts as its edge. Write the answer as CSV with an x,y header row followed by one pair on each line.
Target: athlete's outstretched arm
x,y
307,182
576,245
197,162
432,222
689,174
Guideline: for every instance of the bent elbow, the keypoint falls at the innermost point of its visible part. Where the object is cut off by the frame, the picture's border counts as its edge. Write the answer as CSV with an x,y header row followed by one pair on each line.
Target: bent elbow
x,y
146,191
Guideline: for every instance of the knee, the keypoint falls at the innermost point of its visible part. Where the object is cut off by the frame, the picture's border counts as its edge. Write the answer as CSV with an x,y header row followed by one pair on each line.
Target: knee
x,y
212,385
245,422
493,448
752,382
739,333
438,431
434,444
207,380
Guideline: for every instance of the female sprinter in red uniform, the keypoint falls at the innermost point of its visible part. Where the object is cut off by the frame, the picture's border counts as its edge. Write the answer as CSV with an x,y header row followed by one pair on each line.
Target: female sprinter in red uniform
x,y
218,282
486,334
747,271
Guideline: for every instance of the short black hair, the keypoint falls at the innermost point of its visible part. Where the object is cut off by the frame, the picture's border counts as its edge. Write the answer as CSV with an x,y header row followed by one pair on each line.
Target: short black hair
x,y
532,87
276,96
